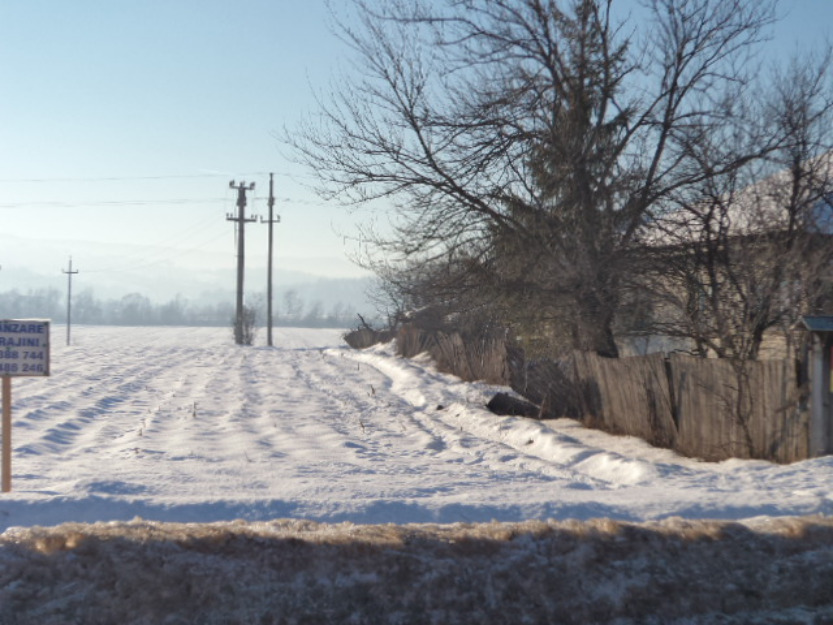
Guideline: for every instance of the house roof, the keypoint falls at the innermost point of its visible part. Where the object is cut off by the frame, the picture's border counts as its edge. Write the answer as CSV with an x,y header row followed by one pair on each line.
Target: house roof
x,y
757,209
818,323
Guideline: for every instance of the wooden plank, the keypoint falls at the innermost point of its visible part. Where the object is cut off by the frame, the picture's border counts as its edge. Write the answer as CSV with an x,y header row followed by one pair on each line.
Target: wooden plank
x,y
708,423
628,396
7,434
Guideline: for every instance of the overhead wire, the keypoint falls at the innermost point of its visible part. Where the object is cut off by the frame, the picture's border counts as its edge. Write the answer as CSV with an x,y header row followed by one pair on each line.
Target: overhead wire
x,y
141,202
125,178
170,253
95,203
174,253
151,177
131,260
116,203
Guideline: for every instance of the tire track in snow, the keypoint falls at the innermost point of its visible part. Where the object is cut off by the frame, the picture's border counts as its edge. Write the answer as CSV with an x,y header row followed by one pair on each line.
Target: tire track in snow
x,y
104,408
328,434
404,425
93,417
251,407
486,442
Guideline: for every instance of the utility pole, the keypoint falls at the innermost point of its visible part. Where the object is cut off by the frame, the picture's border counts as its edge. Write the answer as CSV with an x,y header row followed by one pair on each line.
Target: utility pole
x,y
69,273
240,220
271,221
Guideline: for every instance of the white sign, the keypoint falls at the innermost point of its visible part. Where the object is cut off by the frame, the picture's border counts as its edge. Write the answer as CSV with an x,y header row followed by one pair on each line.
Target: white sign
x,y
24,347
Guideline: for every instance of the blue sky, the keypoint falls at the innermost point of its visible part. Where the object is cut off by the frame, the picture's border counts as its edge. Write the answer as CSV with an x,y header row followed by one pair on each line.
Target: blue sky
x,y
122,122
111,102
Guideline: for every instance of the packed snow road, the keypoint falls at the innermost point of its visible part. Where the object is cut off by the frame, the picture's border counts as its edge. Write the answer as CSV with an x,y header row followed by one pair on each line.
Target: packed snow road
x,y
179,424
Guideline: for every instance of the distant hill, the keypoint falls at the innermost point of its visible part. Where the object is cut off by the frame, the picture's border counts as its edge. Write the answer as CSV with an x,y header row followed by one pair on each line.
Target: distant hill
x,y
110,272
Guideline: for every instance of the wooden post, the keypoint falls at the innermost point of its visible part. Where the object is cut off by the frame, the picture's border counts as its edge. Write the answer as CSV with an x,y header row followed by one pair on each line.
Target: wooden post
x,y
7,433
240,220
272,220
269,270
69,273
818,405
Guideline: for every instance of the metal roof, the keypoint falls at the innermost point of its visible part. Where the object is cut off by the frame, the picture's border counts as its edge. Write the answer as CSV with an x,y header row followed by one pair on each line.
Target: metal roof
x,y
818,323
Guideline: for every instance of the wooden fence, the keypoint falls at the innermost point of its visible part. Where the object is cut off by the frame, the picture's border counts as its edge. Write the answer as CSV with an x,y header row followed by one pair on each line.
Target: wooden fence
x,y
627,396
703,408
753,411
482,357
363,338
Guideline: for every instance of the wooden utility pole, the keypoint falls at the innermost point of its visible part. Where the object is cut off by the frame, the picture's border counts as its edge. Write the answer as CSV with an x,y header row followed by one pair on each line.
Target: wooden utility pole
x,y
240,220
7,434
272,220
69,273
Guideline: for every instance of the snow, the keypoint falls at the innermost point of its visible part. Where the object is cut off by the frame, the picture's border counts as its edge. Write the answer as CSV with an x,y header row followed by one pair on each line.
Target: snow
x,y
180,425
167,475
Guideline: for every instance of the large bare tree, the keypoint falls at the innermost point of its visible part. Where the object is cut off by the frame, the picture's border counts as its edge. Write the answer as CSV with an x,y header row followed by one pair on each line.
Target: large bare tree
x,y
747,252
525,144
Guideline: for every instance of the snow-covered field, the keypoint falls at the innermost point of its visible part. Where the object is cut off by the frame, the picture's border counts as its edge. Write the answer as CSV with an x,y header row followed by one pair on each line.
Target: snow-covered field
x,y
178,425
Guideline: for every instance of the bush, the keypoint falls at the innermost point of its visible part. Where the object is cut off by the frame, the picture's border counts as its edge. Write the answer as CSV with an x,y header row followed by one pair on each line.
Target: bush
x,y
245,335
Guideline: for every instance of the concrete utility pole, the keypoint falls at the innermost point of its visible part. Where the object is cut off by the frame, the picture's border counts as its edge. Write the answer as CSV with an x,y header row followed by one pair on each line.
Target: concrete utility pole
x,y
271,221
69,273
240,220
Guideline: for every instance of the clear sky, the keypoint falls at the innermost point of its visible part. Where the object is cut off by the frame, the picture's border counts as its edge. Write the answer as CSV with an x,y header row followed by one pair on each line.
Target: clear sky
x,y
122,122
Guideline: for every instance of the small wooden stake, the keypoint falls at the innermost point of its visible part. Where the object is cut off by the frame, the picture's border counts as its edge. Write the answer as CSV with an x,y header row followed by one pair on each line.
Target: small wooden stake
x,y
7,434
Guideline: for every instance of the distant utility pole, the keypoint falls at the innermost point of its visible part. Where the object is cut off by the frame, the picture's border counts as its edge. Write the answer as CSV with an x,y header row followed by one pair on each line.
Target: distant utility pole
x,y
271,221
240,220
69,273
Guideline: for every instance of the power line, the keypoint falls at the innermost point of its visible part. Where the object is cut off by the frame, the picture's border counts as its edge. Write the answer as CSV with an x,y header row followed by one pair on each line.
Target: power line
x,y
54,179
161,257
119,203
178,237
126,178
167,248
54,204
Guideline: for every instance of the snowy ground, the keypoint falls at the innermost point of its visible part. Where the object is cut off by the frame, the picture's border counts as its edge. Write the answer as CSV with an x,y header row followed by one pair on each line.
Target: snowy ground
x,y
178,425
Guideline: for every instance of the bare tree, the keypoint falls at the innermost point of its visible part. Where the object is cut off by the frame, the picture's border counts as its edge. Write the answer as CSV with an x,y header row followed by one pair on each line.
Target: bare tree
x,y
527,141
246,331
746,252
293,306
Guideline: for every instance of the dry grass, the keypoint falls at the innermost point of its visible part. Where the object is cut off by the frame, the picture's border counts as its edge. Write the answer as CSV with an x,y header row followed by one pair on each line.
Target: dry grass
x,y
290,571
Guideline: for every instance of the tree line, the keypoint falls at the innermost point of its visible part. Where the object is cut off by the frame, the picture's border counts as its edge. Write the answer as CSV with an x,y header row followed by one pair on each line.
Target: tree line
x,y
579,175
137,309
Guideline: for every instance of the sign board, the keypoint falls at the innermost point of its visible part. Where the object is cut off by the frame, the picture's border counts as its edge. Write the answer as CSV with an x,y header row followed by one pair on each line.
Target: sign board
x,y
24,347
24,351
